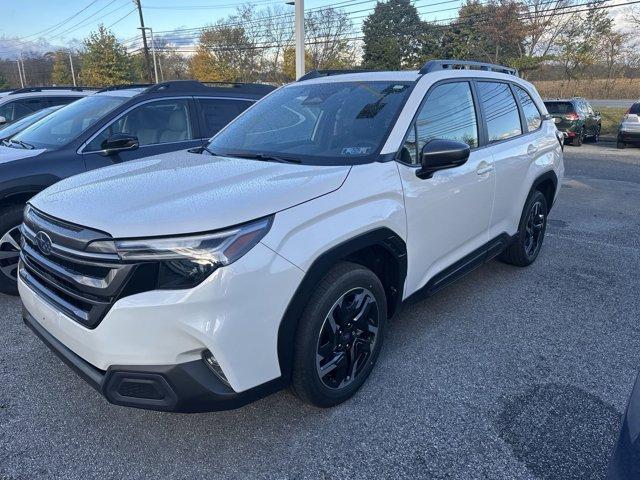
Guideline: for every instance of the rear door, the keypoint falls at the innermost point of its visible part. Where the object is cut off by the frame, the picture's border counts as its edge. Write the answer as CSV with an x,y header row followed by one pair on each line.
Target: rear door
x,y
161,126
510,153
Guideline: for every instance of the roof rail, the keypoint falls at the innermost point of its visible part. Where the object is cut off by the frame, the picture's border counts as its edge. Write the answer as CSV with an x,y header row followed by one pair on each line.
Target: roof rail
x,y
327,73
123,86
40,89
435,65
194,85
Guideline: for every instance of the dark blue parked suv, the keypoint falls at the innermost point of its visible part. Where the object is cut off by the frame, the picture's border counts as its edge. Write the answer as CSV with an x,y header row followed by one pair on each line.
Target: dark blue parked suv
x,y
114,125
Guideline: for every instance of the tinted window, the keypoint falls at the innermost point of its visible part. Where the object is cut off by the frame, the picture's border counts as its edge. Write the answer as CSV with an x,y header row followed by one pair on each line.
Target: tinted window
x,y
332,122
531,112
216,113
66,124
12,111
559,107
25,121
52,101
500,111
164,121
635,109
447,113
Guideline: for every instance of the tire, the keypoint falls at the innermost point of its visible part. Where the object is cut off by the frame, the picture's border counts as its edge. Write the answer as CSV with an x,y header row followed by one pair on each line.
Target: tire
x,y
621,145
521,253
577,140
327,340
10,220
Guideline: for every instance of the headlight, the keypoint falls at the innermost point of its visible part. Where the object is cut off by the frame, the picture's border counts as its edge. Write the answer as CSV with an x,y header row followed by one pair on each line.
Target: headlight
x,y
185,261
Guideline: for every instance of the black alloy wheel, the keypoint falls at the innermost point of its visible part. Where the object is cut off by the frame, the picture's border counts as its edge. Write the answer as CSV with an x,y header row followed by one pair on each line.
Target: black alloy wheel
x,y
347,338
534,229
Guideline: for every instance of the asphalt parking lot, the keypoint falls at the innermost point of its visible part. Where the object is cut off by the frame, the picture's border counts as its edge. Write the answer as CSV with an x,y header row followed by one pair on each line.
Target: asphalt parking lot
x,y
508,374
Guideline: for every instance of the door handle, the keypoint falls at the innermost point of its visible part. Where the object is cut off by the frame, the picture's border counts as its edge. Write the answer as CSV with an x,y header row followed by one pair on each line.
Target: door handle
x,y
532,149
484,168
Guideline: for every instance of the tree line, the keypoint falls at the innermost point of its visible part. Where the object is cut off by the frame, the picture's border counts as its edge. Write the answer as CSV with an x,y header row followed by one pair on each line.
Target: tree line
x,y
545,39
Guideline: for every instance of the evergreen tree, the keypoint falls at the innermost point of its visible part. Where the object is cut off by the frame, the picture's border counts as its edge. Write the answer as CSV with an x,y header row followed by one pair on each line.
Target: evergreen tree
x,y
105,60
393,36
61,74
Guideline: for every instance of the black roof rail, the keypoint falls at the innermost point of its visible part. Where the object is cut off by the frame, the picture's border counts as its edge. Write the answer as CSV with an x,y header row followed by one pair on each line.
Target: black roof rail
x,y
328,73
194,86
123,86
41,89
435,65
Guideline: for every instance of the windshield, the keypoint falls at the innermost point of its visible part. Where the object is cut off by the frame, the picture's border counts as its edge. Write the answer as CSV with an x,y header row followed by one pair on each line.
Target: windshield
x,y
322,123
24,122
66,124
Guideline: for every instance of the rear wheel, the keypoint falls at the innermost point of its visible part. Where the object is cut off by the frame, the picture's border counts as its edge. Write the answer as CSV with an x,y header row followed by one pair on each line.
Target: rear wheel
x,y
526,246
577,140
621,144
10,221
339,336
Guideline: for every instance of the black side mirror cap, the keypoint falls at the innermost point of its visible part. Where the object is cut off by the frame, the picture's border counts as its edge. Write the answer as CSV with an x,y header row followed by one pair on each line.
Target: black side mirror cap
x,y
440,154
119,142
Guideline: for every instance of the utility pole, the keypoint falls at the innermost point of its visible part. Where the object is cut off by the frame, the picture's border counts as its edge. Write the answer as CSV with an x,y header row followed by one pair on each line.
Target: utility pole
x,y
73,74
20,74
144,39
24,75
299,37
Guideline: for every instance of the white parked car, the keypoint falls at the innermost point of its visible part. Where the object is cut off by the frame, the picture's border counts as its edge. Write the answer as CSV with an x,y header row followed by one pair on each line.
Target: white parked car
x,y
275,255
16,104
629,129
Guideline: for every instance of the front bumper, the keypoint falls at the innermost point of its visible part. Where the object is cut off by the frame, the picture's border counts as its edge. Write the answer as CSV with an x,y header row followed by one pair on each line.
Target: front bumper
x,y
185,387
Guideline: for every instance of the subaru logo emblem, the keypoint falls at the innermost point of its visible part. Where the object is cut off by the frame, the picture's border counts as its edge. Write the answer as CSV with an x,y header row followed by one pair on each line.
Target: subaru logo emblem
x,y
44,242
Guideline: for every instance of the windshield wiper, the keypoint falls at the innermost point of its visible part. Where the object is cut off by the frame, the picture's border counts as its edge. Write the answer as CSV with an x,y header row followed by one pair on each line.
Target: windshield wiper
x,y
267,158
24,145
209,151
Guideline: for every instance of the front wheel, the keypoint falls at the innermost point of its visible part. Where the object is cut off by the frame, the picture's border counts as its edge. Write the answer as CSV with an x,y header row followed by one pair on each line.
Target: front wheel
x,y
339,336
526,245
621,144
10,221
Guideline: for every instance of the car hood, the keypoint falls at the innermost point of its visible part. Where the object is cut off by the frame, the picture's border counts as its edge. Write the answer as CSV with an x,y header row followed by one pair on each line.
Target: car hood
x,y
10,154
183,192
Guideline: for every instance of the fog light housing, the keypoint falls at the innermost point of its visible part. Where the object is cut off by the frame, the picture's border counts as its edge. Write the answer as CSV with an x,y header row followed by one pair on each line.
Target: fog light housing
x,y
211,362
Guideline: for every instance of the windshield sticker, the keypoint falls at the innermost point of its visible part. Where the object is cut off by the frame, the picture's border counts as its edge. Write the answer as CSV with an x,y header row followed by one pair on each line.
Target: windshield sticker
x,y
356,150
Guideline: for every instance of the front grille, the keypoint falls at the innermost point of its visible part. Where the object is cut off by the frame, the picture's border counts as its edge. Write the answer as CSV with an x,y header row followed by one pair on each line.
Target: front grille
x,y
82,285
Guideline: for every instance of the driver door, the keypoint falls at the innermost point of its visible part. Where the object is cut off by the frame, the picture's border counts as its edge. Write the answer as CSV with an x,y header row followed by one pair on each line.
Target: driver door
x,y
161,126
448,215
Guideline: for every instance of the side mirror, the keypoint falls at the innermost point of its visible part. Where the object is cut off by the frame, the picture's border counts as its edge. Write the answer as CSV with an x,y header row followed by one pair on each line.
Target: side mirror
x,y
439,154
3,120
120,142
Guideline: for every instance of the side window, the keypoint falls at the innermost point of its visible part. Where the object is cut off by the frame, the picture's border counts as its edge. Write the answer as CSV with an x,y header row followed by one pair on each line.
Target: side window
x,y
217,112
500,111
15,110
163,121
448,113
531,112
54,101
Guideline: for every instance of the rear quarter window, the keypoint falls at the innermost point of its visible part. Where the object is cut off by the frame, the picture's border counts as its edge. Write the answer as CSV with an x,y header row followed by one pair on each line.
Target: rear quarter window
x,y
635,109
559,107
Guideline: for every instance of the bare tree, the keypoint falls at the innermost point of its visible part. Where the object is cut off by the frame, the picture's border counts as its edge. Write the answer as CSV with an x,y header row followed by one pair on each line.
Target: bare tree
x,y
327,36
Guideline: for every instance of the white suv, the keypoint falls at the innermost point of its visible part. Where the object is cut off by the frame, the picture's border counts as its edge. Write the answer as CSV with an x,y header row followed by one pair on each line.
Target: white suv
x,y
275,255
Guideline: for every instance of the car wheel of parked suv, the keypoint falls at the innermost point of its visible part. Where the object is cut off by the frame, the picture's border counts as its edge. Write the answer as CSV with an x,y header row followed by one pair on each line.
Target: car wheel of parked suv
x,y
10,220
621,145
533,224
577,140
339,336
